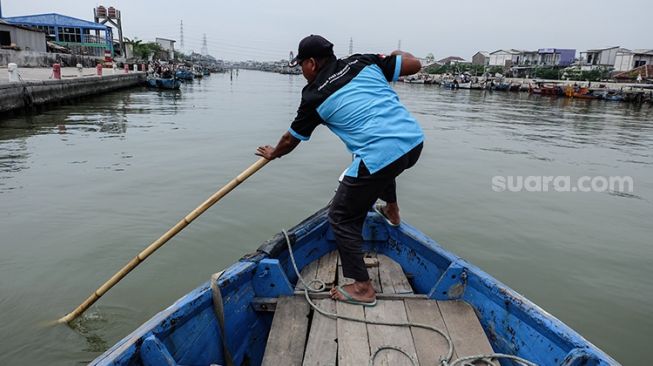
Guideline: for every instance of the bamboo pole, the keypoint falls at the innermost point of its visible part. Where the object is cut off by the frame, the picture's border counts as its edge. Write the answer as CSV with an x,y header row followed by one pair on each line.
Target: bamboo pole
x,y
162,240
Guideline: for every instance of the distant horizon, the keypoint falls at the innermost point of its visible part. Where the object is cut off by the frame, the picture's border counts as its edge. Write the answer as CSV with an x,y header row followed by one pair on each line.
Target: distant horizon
x,y
262,32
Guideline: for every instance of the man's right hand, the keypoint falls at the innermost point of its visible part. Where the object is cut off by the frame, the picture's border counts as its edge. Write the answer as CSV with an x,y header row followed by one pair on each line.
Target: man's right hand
x,y
266,151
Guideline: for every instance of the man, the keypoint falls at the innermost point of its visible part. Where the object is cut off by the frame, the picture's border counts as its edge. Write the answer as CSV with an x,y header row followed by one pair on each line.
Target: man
x,y
353,98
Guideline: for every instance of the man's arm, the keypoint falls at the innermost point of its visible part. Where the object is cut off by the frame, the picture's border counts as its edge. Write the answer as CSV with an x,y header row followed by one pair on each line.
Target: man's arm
x,y
286,144
409,64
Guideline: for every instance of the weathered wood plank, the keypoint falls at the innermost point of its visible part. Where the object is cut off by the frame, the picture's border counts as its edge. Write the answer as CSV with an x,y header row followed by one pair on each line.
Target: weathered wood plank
x,y
322,346
430,346
464,328
327,268
309,272
392,311
372,264
392,276
287,337
353,345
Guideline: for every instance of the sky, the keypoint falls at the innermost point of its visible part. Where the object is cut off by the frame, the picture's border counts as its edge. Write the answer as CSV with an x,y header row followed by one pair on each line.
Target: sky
x,y
269,30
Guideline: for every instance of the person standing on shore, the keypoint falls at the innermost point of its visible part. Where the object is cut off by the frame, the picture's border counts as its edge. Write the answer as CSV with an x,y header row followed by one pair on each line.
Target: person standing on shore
x,y
353,98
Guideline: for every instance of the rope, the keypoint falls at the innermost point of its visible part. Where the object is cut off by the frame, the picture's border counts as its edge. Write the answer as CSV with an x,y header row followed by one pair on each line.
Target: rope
x,y
444,361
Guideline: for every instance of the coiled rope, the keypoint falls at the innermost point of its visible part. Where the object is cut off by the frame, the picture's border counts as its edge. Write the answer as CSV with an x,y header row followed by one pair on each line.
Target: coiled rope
x,y
320,286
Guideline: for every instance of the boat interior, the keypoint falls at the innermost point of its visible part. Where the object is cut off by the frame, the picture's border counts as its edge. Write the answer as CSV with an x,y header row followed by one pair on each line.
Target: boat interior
x,y
255,312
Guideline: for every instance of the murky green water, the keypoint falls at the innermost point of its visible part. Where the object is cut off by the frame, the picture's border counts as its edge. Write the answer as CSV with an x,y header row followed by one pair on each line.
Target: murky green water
x,y
83,188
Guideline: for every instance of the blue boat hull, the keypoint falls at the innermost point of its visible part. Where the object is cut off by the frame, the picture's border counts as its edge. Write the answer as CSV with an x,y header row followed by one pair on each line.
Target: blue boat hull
x,y
172,84
187,333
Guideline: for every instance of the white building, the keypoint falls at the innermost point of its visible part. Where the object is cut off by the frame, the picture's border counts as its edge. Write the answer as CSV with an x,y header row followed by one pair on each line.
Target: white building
x,y
167,45
627,60
599,57
505,57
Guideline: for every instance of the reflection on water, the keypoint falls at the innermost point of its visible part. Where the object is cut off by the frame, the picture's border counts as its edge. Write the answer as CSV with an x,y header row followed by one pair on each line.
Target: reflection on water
x,y
84,187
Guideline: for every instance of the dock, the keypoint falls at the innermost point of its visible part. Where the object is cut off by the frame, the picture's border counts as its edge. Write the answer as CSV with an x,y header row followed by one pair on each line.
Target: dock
x,y
36,89
301,336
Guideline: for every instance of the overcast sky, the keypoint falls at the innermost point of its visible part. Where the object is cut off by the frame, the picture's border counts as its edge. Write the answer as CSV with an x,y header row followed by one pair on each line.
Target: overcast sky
x,y
268,30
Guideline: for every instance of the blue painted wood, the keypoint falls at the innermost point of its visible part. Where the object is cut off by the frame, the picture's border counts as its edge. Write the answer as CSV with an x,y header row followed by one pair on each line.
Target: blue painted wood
x,y
271,280
155,353
189,331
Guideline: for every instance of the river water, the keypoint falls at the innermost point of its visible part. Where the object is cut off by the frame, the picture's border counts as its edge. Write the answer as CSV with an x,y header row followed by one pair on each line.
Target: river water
x,y
84,187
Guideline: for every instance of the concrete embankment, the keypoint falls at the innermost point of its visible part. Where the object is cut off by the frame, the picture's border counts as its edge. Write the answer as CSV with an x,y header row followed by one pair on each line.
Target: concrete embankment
x,y
28,95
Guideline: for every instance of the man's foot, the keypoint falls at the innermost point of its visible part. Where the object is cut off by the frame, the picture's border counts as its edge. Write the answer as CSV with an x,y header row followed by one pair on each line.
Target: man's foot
x,y
390,213
359,291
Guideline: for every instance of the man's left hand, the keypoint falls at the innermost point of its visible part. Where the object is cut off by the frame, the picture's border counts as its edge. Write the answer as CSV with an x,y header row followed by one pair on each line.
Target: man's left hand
x,y
265,151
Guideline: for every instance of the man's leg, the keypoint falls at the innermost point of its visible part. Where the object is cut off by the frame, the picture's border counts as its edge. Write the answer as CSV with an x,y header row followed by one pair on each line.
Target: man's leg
x,y
391,209
353,199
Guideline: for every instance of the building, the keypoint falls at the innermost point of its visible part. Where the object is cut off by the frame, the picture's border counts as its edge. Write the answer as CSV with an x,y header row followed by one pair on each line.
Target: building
x,y
168,46
528,58
627,60
21,38
556,57
481,58
451,60
81,37
505,57
600,57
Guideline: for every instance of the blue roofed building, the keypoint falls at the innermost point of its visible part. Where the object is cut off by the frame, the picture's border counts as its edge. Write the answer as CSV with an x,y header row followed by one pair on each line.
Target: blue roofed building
x,y
80,36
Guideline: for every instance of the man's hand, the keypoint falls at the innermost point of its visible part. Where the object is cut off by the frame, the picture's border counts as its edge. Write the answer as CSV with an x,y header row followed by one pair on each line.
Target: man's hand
x,y
265,151
286,144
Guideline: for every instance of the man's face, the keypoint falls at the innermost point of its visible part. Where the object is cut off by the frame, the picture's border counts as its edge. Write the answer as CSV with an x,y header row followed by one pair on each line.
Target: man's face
x,y
309,69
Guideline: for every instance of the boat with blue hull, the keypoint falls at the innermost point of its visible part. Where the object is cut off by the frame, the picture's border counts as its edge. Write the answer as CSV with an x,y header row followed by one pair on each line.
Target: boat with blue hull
x,y
226,320
160,83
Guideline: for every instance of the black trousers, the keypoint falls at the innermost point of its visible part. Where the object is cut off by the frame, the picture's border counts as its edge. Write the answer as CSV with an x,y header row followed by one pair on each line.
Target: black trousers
x,y
353,199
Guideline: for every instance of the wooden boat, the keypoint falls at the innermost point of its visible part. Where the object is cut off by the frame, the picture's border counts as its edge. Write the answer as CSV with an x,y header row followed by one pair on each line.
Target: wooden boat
x,y
160,83
544,89
572,91
184,74
251,313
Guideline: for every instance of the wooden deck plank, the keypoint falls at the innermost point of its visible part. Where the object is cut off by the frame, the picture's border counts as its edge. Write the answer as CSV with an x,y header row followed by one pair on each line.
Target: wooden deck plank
x,y
285,345
373,271
464,328
392,311
327,268
430,346
393,279
322,345
353,345
309,272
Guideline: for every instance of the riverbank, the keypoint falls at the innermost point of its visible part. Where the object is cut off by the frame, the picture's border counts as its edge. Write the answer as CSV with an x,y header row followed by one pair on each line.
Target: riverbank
x,y
36,89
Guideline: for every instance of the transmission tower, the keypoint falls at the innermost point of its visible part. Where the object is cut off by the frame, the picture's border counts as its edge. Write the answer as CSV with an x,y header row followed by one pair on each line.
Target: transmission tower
x,y
205,50
351,46
399,45
181,35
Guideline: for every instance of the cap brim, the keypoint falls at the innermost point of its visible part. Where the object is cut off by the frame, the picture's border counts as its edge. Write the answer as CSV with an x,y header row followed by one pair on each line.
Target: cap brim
x,y
294,62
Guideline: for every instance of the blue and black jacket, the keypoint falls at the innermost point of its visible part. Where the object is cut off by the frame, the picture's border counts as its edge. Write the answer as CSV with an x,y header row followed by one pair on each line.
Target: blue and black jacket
x,y
353,98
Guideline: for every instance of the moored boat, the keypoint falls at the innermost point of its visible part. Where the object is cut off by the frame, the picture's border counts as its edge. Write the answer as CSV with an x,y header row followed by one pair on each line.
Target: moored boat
x,y
228,320
161,83
184,74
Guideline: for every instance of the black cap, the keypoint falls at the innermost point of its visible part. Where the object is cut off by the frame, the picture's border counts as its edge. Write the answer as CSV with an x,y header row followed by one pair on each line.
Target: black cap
x,y
312,46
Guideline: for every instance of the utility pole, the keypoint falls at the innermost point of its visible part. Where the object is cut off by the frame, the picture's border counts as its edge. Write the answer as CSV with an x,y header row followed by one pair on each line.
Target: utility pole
x,y
351,46
205,50
181,35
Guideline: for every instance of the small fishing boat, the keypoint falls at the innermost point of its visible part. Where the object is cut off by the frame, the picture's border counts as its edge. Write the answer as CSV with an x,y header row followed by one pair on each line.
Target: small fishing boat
x,y
545,89
184,74
257,311
579,92
161,83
